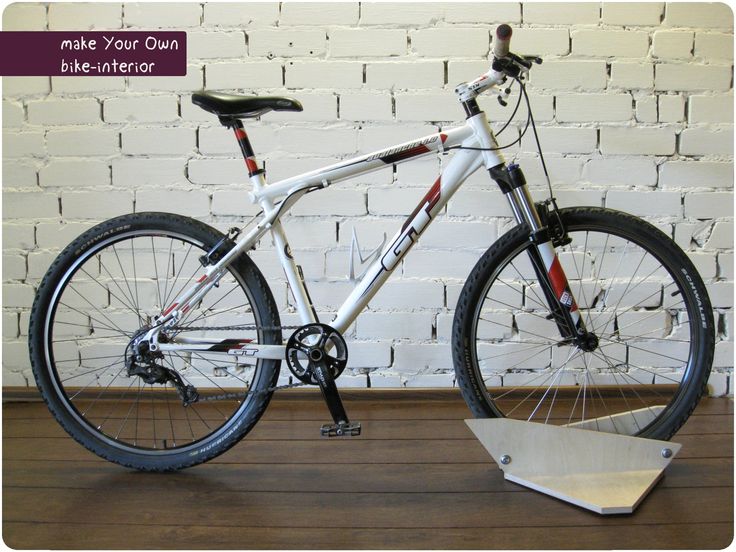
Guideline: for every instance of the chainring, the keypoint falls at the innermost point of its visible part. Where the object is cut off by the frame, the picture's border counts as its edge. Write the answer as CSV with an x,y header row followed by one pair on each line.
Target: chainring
x,y
315,342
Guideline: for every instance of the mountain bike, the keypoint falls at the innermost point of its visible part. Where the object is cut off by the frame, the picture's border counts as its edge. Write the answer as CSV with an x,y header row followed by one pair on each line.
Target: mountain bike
x,y
156,341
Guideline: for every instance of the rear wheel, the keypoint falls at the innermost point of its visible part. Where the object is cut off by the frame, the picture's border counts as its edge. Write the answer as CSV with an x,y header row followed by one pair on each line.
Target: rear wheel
x,y
102,289
637,292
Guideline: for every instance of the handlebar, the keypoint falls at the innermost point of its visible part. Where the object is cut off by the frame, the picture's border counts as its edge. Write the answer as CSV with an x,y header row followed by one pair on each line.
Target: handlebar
x,y
505,64
502,41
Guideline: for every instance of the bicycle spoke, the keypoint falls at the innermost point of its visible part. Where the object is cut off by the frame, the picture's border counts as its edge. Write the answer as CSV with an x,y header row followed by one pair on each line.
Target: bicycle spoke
x,y
155,269
171,424
615,309
127,284
175,275
637,367
524,331
517,351
169,261
91,371
559,372
108,290
108,366
128,300
98,310
102,391
95,320
225,368
117,402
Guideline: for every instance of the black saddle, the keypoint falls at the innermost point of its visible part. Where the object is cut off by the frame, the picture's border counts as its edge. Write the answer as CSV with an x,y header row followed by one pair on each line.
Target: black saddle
x,y
231,106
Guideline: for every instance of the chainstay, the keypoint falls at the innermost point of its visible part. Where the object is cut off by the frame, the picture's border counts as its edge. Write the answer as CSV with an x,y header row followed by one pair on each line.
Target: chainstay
x,y
230,328
230,396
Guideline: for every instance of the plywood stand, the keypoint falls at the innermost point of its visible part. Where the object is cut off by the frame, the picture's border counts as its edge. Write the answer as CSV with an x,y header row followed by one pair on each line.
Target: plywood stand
x,y
603,472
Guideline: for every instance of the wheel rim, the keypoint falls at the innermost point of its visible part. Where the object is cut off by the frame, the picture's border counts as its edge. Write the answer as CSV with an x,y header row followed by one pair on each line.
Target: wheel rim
x,y
99,303
627,297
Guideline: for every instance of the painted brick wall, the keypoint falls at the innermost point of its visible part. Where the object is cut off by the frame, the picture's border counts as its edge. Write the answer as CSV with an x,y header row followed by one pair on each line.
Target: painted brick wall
x,y
635,103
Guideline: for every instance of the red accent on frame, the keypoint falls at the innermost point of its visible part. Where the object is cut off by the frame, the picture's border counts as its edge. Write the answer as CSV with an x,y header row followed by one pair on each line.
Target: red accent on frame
x,y
559,281
251,164
202,279
396,157
431,197
243,343
443,137
172,307
557,277
240,134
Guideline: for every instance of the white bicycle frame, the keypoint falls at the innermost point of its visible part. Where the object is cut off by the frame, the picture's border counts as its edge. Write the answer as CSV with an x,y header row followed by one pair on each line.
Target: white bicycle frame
x,y
278,198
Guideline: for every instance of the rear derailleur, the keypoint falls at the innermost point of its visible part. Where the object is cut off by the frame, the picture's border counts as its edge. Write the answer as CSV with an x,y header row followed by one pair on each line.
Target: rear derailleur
x,y
142,362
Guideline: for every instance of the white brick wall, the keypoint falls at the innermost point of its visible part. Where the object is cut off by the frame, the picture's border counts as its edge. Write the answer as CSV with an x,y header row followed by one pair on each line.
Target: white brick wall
x,y
634,103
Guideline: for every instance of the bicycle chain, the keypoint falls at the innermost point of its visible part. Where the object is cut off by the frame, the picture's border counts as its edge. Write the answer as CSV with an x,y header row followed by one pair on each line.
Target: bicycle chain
x,y
227,396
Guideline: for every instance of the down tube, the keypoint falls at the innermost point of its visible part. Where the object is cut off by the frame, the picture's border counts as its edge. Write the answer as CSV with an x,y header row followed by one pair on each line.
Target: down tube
x,y
462,165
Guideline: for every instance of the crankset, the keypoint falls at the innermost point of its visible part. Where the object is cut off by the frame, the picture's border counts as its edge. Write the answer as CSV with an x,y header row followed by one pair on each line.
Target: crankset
x,y
314,343
317,353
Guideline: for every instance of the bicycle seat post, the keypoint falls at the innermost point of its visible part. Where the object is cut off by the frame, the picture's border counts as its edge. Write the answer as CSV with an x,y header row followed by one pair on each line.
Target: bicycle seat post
x,y
245,147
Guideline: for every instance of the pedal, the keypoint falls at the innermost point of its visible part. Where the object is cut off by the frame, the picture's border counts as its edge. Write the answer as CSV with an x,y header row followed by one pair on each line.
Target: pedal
x,y
351,429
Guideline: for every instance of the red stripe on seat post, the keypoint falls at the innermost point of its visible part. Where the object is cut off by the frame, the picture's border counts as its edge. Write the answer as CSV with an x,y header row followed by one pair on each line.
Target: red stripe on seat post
x,y
251,164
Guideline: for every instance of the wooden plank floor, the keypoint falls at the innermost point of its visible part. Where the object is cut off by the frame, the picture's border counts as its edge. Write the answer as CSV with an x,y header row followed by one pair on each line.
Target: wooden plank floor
x,y
417,478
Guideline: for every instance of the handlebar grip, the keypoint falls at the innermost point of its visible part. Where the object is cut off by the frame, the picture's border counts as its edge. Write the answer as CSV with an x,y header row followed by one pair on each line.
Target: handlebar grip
x,y
501,41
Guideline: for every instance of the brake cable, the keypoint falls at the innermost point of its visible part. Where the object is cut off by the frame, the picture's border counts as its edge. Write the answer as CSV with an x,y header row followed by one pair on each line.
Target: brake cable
x,y
529,119
529,122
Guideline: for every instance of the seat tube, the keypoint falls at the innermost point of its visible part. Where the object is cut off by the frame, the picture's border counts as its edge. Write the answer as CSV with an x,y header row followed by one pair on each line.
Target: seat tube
x,y
293,272
294,275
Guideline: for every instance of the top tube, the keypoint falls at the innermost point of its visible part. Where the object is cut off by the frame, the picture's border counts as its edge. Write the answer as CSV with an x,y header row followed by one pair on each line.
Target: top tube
x,y
366,163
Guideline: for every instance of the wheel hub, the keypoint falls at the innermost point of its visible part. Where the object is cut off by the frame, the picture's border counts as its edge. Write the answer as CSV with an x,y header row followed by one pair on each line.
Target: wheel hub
x,y
587,342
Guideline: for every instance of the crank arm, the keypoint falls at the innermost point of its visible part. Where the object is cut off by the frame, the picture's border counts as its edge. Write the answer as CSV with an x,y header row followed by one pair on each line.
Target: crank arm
x,y
330,393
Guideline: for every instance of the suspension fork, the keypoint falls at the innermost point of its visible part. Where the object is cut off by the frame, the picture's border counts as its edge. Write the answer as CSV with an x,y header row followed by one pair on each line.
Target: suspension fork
x,y
546,264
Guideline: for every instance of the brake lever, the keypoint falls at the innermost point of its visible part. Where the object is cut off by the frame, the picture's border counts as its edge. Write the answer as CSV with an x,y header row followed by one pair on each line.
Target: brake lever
x,y
507,66
525,61
501,96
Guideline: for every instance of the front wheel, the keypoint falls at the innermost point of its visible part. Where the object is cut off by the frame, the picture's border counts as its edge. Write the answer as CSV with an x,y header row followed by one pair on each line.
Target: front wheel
x,y
103,290
637,292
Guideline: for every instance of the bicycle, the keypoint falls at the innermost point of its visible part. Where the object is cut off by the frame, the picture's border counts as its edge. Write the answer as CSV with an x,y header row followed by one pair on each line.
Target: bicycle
x,y
121,331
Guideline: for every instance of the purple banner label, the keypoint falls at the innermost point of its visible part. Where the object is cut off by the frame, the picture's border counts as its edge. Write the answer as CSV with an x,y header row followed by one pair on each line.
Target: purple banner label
x,y
93,53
